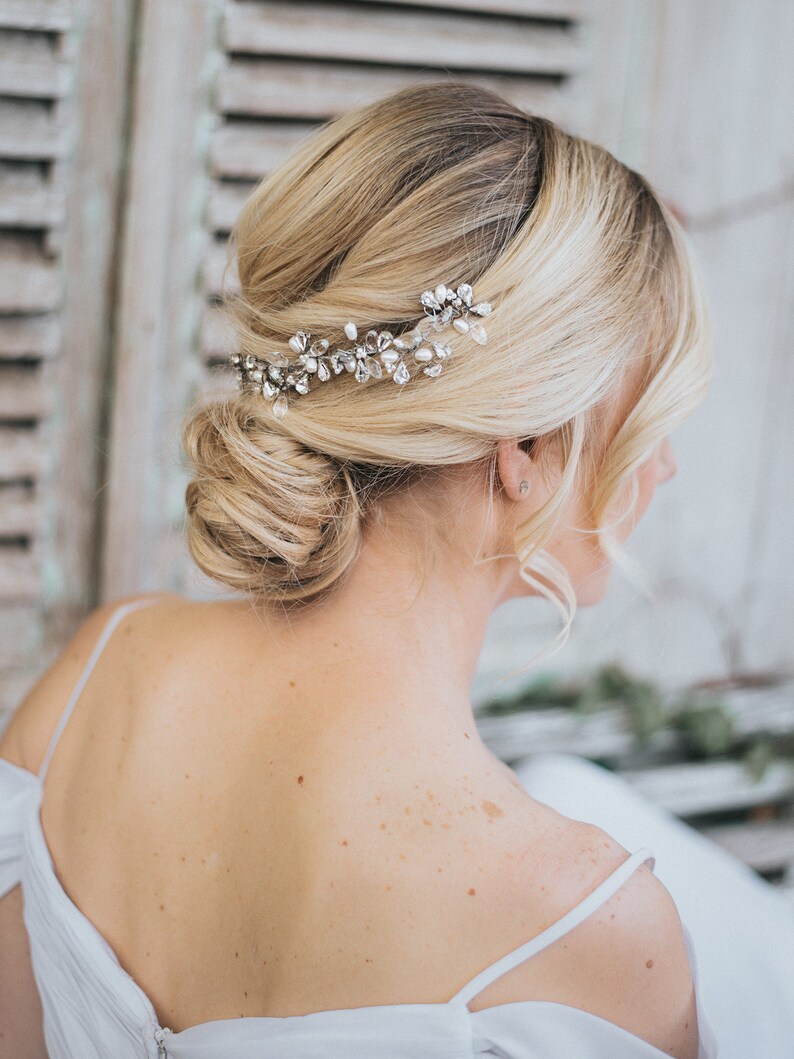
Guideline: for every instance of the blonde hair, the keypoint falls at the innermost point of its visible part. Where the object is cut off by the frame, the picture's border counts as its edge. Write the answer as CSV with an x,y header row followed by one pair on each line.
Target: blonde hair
x,y
590,277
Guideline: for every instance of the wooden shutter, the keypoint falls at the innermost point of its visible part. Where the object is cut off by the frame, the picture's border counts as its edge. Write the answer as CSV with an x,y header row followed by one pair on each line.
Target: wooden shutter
x,y
62,68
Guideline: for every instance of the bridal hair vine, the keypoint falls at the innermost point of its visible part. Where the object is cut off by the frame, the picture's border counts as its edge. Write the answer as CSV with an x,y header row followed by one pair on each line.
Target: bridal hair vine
x,y
379,354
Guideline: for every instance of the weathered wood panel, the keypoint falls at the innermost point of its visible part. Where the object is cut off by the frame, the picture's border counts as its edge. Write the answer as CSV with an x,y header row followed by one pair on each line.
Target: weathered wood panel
x,y
63,71
159,300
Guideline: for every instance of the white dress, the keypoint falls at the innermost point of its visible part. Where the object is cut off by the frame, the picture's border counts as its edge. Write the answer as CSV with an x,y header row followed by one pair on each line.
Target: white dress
x,y
93,1009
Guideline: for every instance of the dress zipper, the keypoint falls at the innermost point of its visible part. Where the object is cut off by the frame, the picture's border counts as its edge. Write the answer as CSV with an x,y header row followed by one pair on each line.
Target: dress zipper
x,y
160,1036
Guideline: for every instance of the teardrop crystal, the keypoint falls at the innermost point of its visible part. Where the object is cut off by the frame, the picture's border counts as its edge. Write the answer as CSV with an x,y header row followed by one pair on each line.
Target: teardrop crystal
x,y
375,369
401,374
465,293
319,347
280,406
268,389
302,385
482,308
362,371
433,369
323,371
478,333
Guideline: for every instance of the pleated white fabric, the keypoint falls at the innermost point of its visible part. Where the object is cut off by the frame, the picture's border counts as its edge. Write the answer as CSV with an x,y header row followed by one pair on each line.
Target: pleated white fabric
x,y
93,1009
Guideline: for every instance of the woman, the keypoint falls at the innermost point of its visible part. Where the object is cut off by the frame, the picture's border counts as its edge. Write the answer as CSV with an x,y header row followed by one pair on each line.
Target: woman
x,y
276,830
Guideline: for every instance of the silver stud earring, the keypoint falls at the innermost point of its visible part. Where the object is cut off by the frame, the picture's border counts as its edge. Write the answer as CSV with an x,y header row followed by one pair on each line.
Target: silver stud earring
x,y
523,487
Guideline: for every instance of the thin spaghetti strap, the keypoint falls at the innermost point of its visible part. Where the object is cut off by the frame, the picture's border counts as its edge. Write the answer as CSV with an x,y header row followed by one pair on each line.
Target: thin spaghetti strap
x,y
578,913
107,632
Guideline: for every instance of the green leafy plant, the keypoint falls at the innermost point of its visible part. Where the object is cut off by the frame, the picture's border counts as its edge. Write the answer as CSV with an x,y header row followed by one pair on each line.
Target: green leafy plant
x,y
700,720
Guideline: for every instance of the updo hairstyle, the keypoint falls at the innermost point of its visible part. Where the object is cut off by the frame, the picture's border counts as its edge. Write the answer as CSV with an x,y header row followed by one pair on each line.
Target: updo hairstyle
x,y
589,275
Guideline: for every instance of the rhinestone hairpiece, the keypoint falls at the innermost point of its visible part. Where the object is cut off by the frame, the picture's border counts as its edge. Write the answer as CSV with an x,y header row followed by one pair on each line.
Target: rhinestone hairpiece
x,y
378,355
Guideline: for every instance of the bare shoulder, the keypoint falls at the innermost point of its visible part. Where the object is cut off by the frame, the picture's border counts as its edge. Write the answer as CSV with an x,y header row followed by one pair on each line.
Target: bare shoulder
x,y
636,937
626,962
26,736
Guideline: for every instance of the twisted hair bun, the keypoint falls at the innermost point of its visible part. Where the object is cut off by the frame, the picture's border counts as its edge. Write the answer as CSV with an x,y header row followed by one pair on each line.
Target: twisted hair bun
x,y
591,279
266,514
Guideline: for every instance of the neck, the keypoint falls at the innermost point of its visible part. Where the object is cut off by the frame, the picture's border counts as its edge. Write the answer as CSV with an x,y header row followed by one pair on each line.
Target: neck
x,y
397,644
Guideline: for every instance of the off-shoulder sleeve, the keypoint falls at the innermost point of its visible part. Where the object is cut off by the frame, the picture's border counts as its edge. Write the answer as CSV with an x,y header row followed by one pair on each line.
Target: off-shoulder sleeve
x,y
21,1020
17,789
708,1047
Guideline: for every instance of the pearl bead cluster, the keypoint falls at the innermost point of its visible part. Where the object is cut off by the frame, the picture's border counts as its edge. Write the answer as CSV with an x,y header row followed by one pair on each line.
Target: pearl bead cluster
x,y
379,354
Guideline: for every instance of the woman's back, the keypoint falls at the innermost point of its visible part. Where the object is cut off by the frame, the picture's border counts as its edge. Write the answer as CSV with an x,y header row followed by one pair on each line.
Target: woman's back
x,y
248,849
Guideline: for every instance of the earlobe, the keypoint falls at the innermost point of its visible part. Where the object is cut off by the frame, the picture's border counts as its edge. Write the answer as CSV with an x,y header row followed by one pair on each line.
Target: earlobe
x,y
515,466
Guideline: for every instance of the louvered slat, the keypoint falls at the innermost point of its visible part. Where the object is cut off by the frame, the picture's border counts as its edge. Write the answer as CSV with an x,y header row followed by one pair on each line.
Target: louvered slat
x,y
29,336
24,393
22,454
46,15
555,10
247,149
689,789
349,31
29,198
30,129
316,90
31,66
29,281
19,511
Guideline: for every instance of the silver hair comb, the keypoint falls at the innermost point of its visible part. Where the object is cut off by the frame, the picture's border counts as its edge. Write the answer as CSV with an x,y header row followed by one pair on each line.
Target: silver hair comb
x,y
377,355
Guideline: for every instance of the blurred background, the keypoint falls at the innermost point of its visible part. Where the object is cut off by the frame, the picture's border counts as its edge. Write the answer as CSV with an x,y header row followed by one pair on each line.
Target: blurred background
x,y
131,131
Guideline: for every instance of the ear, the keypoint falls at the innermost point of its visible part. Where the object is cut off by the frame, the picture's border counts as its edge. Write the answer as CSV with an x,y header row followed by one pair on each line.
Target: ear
x,y
515,465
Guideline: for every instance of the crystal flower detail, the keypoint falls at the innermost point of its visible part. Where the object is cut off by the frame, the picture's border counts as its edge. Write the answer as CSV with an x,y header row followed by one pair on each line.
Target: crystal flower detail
x,y
377,355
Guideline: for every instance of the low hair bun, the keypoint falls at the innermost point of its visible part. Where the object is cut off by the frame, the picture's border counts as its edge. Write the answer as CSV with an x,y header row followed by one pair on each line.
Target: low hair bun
x,y
266,514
